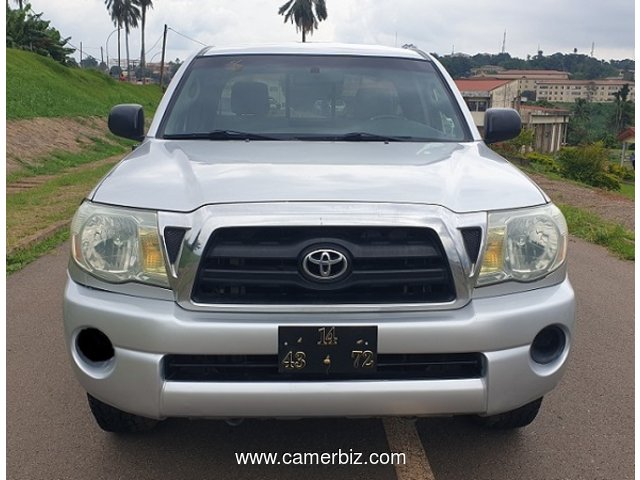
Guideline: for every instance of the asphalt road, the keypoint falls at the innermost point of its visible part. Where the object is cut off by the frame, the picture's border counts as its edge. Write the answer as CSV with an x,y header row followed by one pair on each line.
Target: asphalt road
x,y
584,431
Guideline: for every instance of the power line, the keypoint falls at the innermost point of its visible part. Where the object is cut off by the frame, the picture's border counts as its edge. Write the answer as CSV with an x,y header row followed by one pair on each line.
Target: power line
x,y
148,52
188,38
72,46
86,55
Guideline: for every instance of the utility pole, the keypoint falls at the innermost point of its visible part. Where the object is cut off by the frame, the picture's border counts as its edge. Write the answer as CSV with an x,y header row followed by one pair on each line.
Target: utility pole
x,y
593,46
164,46
101,55
80,54
504,40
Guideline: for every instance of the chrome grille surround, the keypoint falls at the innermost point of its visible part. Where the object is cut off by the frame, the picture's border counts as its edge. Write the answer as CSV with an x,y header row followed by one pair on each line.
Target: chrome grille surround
x,y
201,224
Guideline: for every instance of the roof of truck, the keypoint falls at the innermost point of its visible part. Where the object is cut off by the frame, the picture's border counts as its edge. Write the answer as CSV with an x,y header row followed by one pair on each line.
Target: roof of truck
x,y
310,48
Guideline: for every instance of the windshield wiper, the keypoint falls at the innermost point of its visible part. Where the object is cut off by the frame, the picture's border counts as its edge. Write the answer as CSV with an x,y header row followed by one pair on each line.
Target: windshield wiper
x,y
220,135
368,137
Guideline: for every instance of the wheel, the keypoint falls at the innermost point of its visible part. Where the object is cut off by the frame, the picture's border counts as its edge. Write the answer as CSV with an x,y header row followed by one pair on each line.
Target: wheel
x,y
111,419
518,418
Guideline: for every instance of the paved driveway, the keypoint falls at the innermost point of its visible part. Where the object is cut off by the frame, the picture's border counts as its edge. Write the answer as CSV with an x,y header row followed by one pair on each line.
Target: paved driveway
x,y
585,430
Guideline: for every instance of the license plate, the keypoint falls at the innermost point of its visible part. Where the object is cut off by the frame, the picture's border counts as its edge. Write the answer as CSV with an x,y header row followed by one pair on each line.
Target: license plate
x,y
327,350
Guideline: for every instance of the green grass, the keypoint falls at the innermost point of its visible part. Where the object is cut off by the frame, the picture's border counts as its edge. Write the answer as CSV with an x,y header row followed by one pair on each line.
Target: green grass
x,y
594,229
628,190
20,259
40,87
33,210
60,161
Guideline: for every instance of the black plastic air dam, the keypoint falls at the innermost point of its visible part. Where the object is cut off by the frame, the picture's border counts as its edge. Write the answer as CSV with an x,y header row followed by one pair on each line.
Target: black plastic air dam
x,y
94,345
548,345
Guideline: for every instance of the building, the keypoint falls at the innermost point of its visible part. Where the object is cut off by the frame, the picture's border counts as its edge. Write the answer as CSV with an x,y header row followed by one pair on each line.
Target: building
x,y
487,70
480,94
555,86
548,124
527,79
568,91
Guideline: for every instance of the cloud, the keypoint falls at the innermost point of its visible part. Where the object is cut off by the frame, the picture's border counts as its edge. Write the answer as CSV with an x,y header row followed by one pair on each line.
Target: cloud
x,y
436,25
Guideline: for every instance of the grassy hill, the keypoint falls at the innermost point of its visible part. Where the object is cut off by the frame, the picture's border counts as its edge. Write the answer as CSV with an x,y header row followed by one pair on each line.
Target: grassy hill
x,y
40,87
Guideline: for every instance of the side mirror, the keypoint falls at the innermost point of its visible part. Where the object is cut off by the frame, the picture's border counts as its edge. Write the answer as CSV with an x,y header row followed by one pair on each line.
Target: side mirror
x,y
501,124
127,121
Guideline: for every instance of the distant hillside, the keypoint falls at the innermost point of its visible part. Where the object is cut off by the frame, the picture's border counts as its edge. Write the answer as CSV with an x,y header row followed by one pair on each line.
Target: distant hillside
x,y
40,87
579,66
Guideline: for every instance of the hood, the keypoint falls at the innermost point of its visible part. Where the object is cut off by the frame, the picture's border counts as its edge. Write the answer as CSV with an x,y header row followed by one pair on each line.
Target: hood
x,y
184,175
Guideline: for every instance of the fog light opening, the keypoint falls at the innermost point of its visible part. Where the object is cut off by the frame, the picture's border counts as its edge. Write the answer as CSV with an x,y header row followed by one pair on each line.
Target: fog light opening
x,y
548,345
94,345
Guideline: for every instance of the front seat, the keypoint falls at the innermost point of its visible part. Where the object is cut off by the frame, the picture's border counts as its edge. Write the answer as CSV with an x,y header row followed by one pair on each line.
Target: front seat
x,y
250,98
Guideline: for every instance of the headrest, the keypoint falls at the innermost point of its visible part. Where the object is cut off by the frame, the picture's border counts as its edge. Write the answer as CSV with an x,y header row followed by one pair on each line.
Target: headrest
x,y
250,98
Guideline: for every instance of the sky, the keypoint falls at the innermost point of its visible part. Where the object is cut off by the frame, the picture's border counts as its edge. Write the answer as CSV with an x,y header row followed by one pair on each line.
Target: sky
x,y
440,26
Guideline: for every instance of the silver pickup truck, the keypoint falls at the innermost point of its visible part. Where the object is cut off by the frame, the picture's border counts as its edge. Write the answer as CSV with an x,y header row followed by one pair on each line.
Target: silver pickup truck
x,y
314,230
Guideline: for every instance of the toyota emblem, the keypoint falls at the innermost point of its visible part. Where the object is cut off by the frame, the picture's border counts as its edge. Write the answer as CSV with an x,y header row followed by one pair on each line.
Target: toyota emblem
x,y
325,264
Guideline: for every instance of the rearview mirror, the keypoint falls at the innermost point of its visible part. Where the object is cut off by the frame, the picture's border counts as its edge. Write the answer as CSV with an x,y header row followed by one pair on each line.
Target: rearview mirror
x,y
501,124
127,121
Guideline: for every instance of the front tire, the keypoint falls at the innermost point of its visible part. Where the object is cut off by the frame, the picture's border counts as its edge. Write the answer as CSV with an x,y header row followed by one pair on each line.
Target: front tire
x,y
111,419
518,418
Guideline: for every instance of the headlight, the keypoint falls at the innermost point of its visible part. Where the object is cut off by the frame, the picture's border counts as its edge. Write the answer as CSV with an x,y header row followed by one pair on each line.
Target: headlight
x,y
118,244
524,245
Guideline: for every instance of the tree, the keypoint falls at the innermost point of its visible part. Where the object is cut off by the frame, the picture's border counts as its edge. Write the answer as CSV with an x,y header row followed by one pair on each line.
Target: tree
x,y
173,67
458,66
623,112
144,5
124,13
306,14
28,31
89,62
114,7
130,15
580,130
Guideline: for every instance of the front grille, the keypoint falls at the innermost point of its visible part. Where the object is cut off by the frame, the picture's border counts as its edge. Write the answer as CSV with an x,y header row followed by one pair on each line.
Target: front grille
x,y
264,368
263,265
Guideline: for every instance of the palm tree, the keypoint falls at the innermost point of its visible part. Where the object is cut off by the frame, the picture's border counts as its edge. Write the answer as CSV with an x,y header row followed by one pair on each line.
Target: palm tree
x,y
301,12
124,13
114,7
144,5
130,17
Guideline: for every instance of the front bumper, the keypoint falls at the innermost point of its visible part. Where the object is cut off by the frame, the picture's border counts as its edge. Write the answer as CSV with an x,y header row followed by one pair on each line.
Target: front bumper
x,y
143,330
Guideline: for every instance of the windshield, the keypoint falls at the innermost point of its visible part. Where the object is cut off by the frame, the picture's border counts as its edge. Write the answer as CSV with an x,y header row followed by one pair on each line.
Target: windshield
x,y
308,97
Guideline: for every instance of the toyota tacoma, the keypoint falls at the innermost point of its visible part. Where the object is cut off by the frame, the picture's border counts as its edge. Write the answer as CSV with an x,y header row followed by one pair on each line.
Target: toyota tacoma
x,y
315,230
